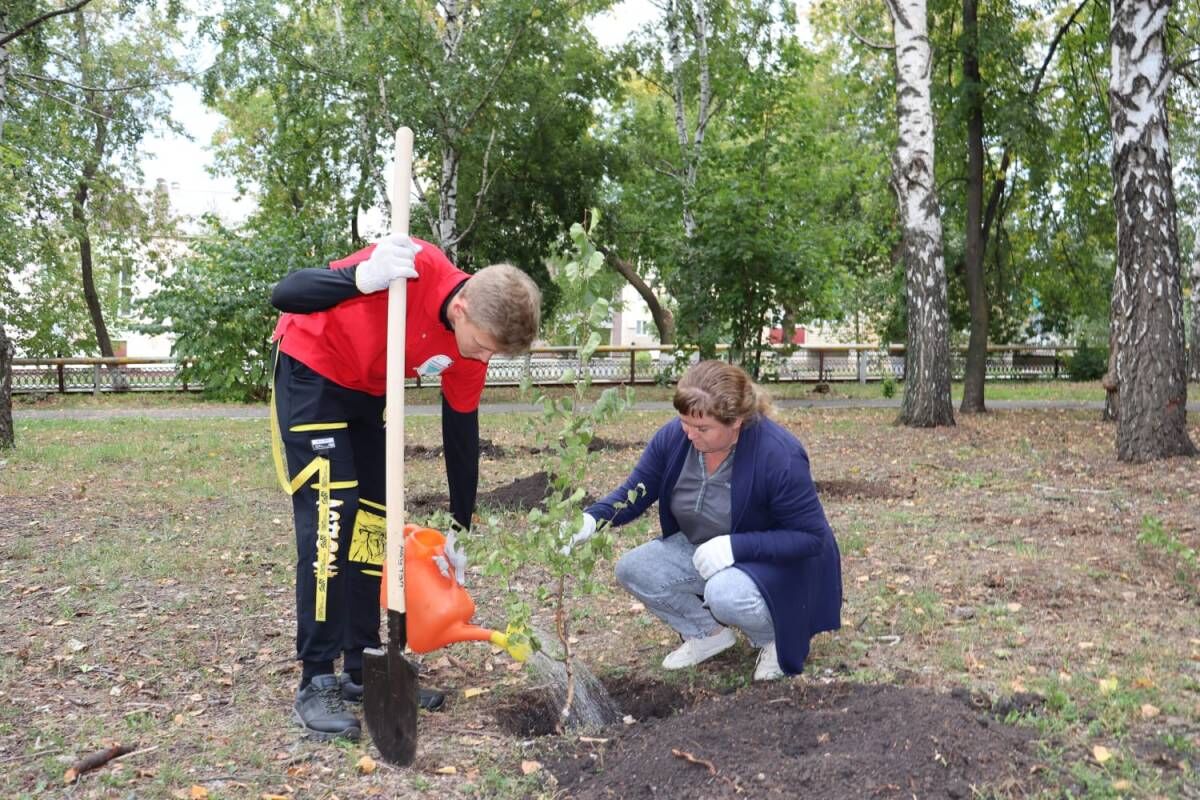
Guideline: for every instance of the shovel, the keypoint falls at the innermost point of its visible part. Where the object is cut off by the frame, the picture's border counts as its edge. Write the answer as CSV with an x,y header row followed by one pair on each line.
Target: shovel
x,y
389,681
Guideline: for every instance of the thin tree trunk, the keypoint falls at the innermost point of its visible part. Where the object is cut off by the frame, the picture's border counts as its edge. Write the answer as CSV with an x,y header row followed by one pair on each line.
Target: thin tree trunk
x,y
4,63
927,357
664,320
1147,297
690,144
1194,338
79,202
8,438
1109,381
448,202
976,369
447,229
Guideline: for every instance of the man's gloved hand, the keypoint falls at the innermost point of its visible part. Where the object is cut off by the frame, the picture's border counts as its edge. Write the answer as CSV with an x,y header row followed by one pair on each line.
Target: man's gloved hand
x,y
394,257
454,559
587,529
713,556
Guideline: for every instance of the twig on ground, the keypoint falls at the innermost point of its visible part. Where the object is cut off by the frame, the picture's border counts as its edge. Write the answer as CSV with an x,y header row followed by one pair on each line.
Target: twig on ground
x,y
691,759
94,760
31,756
712,770
1046,488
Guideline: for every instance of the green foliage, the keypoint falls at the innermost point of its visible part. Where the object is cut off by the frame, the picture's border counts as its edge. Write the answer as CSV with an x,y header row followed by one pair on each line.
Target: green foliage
x,y
888,386
216,301
82,91
564,429
313,93
1089,363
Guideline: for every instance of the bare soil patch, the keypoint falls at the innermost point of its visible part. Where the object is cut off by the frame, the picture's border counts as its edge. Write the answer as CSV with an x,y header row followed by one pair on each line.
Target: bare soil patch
x,y
860,490
841,741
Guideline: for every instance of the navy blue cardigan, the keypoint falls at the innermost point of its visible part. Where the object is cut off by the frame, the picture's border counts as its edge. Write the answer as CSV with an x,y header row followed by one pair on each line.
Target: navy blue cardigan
x,y
780,536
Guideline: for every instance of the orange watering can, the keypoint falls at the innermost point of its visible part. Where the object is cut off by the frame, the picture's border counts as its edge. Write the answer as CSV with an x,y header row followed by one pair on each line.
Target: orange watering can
x,y
439,610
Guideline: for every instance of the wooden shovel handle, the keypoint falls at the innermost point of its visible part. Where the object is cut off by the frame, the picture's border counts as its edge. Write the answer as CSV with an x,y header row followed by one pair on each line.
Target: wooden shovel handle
x,y
394,417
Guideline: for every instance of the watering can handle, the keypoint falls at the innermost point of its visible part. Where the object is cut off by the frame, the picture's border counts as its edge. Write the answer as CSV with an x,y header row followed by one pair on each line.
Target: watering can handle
x,y
394,415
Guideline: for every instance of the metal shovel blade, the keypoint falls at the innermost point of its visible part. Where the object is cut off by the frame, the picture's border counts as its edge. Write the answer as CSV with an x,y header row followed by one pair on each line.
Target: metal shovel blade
x,y
390,697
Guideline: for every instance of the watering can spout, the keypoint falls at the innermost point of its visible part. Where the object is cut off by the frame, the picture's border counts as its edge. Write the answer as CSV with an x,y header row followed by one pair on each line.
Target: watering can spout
x,y
439,609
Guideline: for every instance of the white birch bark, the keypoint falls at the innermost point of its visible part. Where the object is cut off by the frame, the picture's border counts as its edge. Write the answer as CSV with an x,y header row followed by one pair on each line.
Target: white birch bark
x,y
447,221
927,355
1147,297
1194,338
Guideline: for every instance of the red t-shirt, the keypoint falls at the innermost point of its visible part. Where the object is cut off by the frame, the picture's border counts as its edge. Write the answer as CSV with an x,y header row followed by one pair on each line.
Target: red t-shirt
x,y
348,343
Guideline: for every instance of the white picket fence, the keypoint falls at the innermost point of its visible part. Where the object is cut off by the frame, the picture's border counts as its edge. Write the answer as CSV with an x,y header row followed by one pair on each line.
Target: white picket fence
x,y
553,365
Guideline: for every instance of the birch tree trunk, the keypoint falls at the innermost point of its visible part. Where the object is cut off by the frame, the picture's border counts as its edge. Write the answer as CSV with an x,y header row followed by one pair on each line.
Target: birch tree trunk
x,y
447,221
1147,298
927,357
1194,337
691,144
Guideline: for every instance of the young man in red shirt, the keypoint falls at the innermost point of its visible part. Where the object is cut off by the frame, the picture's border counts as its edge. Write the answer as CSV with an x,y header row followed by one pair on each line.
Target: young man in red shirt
x,y
328,407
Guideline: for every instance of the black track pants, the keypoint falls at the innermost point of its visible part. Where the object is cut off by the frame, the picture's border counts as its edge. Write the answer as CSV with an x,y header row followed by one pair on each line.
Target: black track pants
x,y
330,452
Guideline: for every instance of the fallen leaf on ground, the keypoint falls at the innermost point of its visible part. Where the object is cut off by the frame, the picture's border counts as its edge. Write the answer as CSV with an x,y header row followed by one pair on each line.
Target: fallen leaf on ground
x,y
446,770
530,767
1149,711
1101,754
366,765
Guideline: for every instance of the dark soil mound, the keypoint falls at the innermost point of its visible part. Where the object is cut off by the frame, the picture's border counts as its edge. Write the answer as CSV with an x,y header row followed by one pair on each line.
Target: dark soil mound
x,y
522,493
791,739
487,449
597,444
865,490
533,712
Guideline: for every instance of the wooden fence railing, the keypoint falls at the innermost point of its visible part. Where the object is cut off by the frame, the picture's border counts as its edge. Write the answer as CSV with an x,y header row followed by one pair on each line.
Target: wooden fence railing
x,y
546,365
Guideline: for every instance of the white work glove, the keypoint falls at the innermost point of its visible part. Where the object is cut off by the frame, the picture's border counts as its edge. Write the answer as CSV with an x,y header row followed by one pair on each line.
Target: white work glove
x,y
394,257
713,556
454,559
587,529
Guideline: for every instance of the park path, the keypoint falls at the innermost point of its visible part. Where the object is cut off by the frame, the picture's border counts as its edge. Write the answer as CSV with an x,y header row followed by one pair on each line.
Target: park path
x,y
260,411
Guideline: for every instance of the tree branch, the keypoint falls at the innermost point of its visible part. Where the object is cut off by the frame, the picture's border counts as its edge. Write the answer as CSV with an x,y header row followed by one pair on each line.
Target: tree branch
x,y
53,96
126,88
33,23
485,183
867,42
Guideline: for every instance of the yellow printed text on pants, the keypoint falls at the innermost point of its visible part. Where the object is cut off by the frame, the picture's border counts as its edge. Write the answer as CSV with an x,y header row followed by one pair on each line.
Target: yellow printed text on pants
x,y
368,541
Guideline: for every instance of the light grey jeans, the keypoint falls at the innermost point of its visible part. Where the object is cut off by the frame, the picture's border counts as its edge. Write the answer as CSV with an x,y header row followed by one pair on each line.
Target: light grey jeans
x,y
660,573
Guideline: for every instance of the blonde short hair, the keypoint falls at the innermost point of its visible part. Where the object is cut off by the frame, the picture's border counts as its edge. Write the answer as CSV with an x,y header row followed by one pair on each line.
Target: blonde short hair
x,y
721,391
506,303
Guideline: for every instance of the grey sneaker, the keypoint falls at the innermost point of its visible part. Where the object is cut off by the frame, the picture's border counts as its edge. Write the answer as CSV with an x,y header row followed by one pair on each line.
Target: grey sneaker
x,y
321,711
428,699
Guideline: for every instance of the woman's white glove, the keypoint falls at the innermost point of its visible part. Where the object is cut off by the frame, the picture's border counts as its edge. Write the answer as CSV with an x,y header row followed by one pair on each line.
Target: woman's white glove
x,y
713,556
394,257
587,529
454,559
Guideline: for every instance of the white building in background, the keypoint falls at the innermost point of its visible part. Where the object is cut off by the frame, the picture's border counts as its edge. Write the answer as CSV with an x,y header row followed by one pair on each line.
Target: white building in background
x,y
632,326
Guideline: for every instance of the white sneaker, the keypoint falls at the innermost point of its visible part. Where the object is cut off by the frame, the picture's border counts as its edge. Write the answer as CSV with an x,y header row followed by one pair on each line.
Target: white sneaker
x,y
767,668
693,651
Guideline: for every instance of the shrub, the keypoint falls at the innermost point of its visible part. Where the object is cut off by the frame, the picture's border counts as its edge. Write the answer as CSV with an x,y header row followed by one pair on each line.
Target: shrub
x,y
1089,363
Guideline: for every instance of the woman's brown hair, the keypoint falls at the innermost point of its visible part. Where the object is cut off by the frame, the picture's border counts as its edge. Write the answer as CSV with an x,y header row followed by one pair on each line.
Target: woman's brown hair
x,y
721,391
